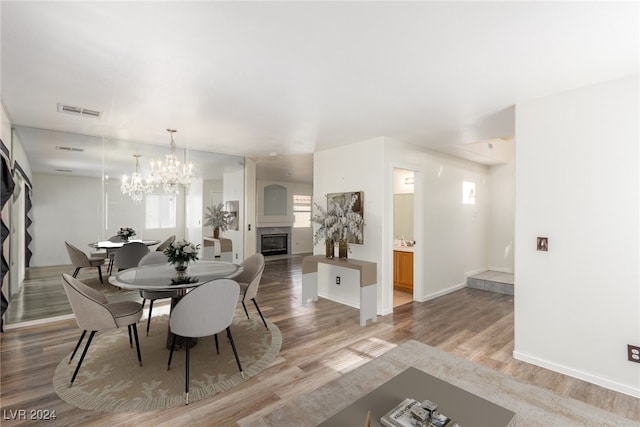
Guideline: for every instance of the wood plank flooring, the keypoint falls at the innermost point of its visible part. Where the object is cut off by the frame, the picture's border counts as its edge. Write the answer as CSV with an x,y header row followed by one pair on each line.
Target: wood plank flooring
x,y
321,342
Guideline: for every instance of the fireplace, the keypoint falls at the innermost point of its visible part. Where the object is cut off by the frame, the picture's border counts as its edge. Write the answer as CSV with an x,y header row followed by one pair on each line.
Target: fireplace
x,y
274,244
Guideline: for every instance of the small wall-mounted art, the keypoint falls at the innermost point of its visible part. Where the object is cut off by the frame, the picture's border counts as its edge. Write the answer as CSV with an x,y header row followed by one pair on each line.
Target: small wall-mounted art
x,y
232,206
543,244
358,206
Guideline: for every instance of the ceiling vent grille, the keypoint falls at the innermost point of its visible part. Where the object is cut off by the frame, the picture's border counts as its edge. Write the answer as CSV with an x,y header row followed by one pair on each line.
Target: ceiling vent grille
x,y
79,150
62,108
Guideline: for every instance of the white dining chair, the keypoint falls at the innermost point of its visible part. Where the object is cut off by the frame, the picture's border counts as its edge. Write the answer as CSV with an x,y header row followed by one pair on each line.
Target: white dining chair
x,y
94,313
80,260
205,311
164,245
249,281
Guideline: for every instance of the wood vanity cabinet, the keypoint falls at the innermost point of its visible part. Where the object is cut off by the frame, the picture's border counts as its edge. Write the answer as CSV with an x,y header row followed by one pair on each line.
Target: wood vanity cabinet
x,y
403,270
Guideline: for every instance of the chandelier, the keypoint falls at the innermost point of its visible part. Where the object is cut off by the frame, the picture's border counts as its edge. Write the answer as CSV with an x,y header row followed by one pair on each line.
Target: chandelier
x,y
170,173
136,187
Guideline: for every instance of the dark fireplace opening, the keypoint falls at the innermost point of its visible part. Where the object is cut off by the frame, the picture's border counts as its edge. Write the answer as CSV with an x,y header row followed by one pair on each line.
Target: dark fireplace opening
x,y
274,244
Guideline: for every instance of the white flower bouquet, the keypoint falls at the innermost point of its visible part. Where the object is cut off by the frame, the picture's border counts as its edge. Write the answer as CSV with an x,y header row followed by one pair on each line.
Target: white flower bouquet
x,y
181,253
125,233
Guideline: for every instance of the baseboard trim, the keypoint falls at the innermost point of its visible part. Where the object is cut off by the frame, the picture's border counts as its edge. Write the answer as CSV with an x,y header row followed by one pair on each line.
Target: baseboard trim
x,y
37,322
442,292
334,299
593,379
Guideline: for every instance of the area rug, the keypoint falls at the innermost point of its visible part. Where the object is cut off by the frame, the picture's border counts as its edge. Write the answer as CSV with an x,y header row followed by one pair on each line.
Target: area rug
x,y
111,380
533,406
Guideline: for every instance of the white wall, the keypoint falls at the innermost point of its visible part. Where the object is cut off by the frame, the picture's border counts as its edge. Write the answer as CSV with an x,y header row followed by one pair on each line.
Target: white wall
x,y
502,213
70,208
233,189
5,128
64,209
577,306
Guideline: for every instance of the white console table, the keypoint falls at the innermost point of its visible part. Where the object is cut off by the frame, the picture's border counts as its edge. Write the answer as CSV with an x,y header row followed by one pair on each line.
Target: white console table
x,y
368,280
217,249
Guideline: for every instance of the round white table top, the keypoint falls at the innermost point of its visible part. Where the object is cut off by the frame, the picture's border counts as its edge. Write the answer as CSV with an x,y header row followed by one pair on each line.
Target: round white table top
x,y
164,277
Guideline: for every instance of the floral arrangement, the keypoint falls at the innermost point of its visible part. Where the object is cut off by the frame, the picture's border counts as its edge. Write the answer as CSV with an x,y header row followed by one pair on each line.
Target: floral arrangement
x,y
125,233
338,220
181,252
217,218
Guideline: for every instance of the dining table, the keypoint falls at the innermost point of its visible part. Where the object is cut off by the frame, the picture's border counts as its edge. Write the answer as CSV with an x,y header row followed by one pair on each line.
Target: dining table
x,y
164,277
112,247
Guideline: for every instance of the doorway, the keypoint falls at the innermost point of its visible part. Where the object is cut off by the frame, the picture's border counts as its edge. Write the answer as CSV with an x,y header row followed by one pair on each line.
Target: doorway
x,y
403,236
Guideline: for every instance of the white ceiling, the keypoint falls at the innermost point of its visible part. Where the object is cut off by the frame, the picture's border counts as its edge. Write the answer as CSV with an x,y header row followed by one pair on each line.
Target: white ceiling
x,y
254,78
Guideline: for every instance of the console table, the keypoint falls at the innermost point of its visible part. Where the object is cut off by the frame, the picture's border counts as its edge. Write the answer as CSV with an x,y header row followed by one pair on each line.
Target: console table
x,y
368,280
214,249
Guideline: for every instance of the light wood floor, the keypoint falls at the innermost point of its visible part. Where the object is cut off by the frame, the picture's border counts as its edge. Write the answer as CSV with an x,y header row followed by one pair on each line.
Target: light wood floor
x,y
321,342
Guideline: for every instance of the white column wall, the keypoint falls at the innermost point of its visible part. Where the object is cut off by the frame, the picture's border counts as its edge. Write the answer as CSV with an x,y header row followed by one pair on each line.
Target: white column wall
x,y
250,217
577,306
355,167
233,189
500,245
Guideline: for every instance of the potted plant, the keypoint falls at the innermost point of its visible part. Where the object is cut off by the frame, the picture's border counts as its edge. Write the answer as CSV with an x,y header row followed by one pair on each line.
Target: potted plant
x,y
336,223
181,253
125,233
218,219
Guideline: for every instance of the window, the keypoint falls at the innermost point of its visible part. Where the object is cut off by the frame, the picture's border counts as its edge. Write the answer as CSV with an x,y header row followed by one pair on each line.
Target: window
x,y
468,193
160,211
301,211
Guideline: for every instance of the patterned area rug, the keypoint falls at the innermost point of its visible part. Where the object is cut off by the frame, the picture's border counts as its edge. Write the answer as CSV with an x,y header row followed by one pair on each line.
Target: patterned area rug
x,y
110,379
533,406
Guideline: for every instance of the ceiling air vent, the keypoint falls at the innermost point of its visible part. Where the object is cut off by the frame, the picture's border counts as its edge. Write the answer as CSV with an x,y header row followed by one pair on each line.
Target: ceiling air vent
x,y
79,150
62,108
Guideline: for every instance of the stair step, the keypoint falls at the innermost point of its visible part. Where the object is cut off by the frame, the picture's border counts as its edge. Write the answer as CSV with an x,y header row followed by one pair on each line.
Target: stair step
x,y
492,281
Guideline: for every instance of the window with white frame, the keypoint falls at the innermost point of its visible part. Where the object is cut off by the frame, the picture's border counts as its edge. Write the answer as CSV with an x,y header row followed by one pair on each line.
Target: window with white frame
x,y
302,210
160,211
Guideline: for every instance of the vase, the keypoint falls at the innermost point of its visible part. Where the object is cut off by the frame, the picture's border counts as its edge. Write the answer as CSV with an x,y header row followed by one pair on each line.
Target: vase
x,y
343,248
216,232
328,248
181,266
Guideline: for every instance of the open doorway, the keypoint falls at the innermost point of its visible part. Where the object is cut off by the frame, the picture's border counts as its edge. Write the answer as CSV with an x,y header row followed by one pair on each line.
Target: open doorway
x,y
403,236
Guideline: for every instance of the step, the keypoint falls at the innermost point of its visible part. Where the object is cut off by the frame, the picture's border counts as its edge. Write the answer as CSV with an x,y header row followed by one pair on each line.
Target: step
x,y
492,281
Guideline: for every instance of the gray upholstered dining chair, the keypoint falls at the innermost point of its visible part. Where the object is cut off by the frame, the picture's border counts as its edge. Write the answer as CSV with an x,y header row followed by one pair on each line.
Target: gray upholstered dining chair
x,y
162,246
249,281
129,255
80,260
94,313
205,311
111,253
149,259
